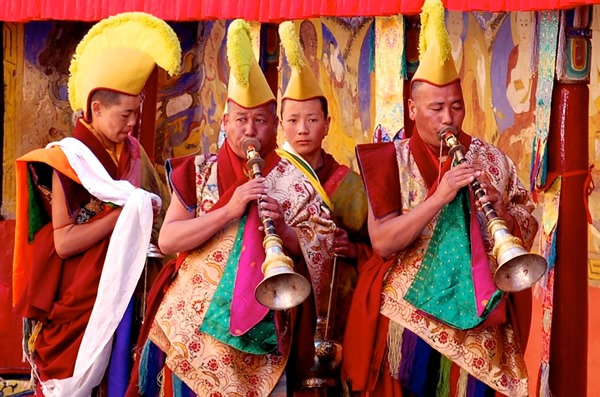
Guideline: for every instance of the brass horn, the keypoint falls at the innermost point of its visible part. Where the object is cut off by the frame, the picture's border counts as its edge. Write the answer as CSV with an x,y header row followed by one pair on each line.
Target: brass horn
x,y
281,287
518,269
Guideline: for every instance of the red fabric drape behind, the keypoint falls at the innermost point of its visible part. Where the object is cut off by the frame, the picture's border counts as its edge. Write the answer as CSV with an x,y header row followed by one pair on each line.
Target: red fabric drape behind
x,y
252,10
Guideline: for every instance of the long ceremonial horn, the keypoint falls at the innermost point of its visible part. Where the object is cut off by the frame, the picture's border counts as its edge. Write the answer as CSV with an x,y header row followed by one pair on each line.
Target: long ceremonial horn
x,y
281,287
518,269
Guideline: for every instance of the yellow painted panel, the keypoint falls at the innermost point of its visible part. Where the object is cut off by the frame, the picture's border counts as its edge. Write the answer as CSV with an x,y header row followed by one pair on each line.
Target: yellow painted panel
x,y
13,80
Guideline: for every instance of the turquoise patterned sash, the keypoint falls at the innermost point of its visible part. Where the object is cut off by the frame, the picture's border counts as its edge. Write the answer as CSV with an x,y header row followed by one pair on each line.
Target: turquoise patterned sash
x,y
260,339
443,286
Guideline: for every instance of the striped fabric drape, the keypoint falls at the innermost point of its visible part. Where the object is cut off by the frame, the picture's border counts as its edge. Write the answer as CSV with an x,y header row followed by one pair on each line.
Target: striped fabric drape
x,y
252,10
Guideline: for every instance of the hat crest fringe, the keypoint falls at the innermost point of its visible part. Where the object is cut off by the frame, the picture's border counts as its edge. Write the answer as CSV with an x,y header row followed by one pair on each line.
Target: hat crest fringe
x,y
291,45
239,51
433,28
135,30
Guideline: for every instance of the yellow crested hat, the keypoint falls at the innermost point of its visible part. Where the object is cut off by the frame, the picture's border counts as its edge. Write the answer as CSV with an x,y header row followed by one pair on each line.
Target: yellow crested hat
x,y
248,86
303,84
119,53
436,65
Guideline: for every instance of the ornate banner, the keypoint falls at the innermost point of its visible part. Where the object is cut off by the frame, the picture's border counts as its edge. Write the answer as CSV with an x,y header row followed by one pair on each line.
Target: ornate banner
x,y
389,84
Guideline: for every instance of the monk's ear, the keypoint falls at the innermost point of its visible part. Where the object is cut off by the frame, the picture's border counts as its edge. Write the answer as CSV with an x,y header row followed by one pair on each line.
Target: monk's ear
x,y
96,108
412,109
225,118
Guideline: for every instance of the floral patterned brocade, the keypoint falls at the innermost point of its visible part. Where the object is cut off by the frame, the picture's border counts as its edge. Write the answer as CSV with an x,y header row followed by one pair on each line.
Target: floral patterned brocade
x,y
208,366
491,353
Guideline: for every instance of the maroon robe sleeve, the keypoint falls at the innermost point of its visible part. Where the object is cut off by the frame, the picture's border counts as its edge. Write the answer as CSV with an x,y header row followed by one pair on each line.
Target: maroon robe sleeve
x,y
379,170
181,172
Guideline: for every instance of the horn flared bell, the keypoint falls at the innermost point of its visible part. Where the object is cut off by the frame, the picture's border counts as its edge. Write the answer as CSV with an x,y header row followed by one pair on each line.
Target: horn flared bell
x,y
518,269
281,287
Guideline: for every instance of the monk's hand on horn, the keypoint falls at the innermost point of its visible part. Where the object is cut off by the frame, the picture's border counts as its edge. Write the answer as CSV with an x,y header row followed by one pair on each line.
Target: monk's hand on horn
x,y
271,208
250,191
455,179
494,197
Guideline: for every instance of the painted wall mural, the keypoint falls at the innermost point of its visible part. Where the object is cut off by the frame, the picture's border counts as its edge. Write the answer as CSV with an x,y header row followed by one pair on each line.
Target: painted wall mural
x,y
48,48
495,54
12,35
472,37
391,70
191,105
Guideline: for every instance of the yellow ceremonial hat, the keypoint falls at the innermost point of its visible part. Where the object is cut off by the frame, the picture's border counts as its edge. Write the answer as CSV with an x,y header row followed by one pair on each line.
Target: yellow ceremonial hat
x,y
303,84
248,86
119,53
436,65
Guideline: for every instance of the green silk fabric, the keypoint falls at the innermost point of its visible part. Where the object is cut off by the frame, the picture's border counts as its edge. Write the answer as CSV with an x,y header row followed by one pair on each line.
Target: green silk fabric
x,y
35,212
443,286
350,204
262,338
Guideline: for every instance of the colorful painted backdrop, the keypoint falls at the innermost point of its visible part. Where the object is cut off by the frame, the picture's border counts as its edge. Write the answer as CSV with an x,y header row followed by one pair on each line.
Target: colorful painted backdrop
x,y
359,61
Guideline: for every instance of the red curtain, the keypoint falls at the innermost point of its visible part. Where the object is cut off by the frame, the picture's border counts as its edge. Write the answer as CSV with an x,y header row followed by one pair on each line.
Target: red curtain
x,y
252,10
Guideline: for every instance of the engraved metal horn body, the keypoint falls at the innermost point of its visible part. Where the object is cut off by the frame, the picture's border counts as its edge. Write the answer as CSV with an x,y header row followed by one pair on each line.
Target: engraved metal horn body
x,y
281,287
324,375
518,269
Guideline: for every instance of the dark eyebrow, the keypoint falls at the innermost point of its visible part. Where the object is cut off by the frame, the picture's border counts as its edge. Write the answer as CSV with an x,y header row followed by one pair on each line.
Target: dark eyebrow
x,y
307,114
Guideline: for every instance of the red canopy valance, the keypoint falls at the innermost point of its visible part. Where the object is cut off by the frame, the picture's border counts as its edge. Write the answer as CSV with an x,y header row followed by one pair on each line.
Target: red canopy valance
x,y
252,10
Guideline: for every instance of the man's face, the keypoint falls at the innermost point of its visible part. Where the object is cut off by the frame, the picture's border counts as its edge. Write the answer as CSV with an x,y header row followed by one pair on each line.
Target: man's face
x,y
258,123
432,108
304,125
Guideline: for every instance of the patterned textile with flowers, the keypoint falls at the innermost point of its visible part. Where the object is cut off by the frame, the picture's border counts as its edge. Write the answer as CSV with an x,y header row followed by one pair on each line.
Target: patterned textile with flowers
x,y
205,364
491,353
